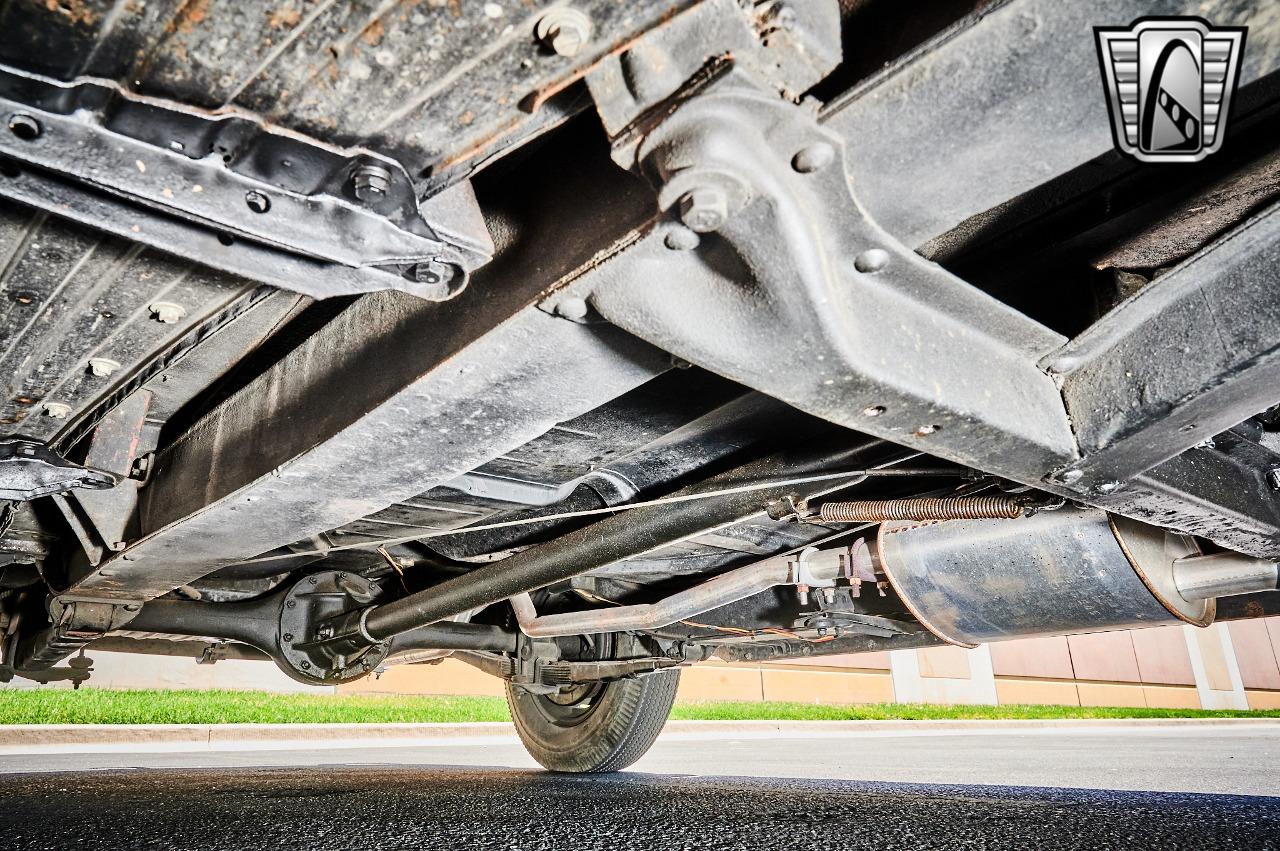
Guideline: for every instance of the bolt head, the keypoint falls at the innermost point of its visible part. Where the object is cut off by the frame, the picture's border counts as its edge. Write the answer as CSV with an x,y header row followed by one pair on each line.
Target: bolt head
x,y
871,261
704,210
435,273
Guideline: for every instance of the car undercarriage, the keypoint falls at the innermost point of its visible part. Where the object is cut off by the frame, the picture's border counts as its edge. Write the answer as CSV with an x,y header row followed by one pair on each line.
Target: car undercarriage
x,y
583,341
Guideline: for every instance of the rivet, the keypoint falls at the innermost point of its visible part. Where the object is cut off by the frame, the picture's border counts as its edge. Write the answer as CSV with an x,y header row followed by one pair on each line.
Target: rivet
x,y
871,261
565,31
680,238
257,201
813,158
24,126
572,308
167,312
103,367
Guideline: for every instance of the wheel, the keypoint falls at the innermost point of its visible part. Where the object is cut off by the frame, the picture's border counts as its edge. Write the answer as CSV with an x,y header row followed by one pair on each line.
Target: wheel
x,y
594,727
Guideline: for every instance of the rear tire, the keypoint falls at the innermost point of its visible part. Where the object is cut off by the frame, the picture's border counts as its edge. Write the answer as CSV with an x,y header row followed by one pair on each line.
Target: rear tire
x,y
595,727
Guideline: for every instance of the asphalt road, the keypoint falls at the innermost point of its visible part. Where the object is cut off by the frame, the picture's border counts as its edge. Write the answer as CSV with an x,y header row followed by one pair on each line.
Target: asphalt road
x,y
1209,788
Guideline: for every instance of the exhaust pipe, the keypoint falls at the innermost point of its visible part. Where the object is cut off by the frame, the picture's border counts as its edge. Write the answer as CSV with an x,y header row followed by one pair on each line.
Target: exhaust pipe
x,y
810,567
974,581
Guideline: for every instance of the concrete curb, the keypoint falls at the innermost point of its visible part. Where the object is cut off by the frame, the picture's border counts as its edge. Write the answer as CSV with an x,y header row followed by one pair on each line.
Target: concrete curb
x,y
30,738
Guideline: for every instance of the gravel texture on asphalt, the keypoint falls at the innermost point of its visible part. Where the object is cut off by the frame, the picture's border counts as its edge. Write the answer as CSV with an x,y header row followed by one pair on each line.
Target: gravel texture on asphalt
x,y
395,807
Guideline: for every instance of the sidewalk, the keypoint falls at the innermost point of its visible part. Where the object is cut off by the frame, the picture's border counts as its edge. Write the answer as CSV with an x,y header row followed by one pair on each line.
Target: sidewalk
x,y
100,738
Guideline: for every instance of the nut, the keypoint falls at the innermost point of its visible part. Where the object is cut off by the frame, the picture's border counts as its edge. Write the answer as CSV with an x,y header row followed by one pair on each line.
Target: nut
x,y
370,182
704,210
565,31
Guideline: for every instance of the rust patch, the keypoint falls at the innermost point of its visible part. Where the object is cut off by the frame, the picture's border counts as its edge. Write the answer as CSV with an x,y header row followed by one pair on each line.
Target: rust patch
x,y
75,11
190,14
466,118
373,33
455,7
284,18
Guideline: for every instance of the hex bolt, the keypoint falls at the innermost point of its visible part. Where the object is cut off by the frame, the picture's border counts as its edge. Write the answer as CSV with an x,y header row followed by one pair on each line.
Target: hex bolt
x,y
565,31
871,261
257,201
370,182
102,367
705,209
304,665
813,158
24,126
288,636
167,312
56,410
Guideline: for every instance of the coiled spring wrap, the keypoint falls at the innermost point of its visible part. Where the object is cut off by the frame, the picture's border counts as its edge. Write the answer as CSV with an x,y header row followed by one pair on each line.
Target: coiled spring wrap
x,y
922,508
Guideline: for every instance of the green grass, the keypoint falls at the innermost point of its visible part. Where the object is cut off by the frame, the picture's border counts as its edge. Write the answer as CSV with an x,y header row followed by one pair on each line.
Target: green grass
x,y
105,706
733,711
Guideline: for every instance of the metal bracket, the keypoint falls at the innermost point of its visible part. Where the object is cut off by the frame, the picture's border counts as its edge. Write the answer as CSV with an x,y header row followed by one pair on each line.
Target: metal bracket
x,y
29,470
233,192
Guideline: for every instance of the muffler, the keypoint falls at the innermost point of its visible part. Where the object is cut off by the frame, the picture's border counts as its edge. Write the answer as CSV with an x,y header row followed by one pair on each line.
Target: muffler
x,y
1055,572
